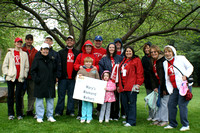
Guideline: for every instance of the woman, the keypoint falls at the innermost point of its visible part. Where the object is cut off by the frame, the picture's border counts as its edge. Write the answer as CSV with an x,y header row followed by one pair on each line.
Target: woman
x,y
15,68
130,76
43,72
107,63
157,77
173,82
147,80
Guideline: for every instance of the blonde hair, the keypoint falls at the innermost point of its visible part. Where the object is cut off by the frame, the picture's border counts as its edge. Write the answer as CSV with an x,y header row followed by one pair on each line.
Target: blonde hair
x,y
168,49
88,59
156,48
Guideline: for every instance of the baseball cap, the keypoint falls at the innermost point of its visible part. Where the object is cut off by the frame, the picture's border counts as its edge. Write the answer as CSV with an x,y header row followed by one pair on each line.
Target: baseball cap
x,y
88,44
70,36
18,39
44,45
98,38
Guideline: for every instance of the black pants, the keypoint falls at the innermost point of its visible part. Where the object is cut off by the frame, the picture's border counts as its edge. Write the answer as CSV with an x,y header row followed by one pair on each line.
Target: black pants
x,y
114,113
18,97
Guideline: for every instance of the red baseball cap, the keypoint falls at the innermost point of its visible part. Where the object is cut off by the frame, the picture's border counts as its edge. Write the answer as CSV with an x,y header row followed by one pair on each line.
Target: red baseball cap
x,y
18,39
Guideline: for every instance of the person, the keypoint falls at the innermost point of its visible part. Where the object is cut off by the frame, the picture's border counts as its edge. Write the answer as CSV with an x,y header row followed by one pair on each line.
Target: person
x,y
174,80
119,45
29,83
130,76
147,80
107,63
89,71
87,51
15,68
67,80
98,50
157,77
43,72
109,97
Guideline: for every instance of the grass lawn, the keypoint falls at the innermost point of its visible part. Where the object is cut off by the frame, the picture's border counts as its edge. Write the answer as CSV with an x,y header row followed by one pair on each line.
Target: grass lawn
x,y
70,124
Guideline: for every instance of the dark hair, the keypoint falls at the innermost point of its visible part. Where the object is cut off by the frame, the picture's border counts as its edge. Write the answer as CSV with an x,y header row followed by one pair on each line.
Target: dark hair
x,y
104,73
29,36
49,38
107,50
131,50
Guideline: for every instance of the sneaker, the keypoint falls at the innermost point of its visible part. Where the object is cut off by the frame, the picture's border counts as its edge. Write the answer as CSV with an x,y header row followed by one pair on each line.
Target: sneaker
x,y
154,119
39,120
51,119
106,121
163,123
127,125
111,119
149,119
185,128
11,117
123,116
56,115
100,121
19,117
82,121
168,127
72,114
115,119
88,121
35,117
124,122
78,117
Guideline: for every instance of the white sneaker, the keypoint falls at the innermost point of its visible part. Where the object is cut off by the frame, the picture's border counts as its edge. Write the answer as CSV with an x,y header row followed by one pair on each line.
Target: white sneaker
x,y
123,116
185,128
82,121
168,127
78,117
56,115
149,119
19,117
11,117
106,121
51,119
100,121
88,121
154,119
127,125
124,122
39,120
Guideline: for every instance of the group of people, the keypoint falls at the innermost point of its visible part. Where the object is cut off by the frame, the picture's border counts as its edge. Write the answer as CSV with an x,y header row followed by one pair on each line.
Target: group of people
x,y
38,71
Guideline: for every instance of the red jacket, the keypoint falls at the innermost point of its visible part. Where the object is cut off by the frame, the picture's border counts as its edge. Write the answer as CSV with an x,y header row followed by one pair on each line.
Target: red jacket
x,y
31,57
134,74
80,58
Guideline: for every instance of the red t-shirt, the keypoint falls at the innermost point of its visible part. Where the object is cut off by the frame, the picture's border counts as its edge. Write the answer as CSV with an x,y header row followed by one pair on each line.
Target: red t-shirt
x,y
88,69
99,52
70,63
119,52
155,71
171,73
17,62
124,71
112,61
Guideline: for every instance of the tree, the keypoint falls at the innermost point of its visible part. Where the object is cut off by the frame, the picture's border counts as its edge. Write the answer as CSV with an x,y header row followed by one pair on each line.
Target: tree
x,y
135,20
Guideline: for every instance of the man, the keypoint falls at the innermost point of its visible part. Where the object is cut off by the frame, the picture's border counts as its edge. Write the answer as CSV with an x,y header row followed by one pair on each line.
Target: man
x,y
98,50
119,45
67,80
29,84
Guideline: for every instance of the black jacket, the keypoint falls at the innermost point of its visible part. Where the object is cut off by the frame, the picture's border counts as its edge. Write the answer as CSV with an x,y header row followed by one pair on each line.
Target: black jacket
x,y
161,75
43,72
63,56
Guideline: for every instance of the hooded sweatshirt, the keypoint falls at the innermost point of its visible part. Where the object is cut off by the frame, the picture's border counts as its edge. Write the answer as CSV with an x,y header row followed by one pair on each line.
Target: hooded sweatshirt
x,y
119,40
182,64
80,58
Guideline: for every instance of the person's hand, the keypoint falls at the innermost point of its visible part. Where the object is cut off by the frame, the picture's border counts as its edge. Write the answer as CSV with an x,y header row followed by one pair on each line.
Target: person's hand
x,y
81,67
156,90
104,55
164,93
95,68
56,79
184,78
105,89
118,89
80,75
138,86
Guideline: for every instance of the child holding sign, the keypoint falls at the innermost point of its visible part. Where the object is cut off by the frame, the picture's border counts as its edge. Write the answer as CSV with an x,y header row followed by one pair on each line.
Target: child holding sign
x,y
109,97
89,71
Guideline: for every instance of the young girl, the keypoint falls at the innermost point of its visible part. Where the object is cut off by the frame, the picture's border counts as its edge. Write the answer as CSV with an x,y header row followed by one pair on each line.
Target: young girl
x,y
109,97
89,71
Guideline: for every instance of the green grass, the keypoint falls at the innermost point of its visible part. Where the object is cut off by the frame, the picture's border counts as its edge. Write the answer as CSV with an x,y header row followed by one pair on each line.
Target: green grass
x,y
70,124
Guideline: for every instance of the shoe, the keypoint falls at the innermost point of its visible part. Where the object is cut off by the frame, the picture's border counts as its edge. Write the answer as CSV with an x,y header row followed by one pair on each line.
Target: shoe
x,y
115,119
82,121
19,117
106,121
100,121
155,123
56,115
35,117
127,125
154,119
88,121
78,117
149,119
168,127
163,123
11,117
72,114
51,119
124,122
123,116
111,119
185,128
39,120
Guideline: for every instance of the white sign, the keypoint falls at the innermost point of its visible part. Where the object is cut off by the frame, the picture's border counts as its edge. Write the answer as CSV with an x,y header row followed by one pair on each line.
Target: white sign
x,y
89,89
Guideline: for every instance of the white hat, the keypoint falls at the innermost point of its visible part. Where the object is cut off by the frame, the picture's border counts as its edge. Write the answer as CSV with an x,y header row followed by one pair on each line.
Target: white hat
x,y
45,45
70,36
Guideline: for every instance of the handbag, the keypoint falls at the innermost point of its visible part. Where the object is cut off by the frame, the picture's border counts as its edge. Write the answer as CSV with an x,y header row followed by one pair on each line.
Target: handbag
x,y
151,100
188,95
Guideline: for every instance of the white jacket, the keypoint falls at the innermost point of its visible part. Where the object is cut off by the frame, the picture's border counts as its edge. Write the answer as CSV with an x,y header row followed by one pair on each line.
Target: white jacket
x,y
9,68
183,65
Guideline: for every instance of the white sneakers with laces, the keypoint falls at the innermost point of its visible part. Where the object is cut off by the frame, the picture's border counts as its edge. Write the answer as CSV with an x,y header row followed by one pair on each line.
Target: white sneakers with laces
x,y
185,128
51,119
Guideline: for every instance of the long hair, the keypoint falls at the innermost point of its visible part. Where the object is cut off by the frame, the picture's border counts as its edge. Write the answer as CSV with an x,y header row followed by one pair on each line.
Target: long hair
x,y
133,56
107,50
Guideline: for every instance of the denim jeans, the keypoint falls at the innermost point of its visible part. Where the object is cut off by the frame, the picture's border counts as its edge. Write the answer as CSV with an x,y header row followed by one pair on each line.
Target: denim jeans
x,y
40,107
129,102
86,110
174,100
105,110
63,86
18,97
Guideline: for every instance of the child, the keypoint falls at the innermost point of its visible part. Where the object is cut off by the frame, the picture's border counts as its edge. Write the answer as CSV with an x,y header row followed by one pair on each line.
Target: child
x,y
89,71
109,97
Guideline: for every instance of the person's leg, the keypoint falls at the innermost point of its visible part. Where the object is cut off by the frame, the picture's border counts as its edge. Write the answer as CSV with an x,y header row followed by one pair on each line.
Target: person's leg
x,y
10,98
18,92
39,108
70,100
132,108
89,111
172,107
49,106
102,112
164,108
116,108
107,116
124,103
31,98
84,110
62,86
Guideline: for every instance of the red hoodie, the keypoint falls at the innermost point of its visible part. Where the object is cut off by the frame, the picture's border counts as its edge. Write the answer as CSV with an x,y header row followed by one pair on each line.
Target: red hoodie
x,y
80,58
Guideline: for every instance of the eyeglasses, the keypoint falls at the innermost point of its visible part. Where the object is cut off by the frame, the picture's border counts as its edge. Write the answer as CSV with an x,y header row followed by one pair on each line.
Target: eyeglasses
x,y
153,52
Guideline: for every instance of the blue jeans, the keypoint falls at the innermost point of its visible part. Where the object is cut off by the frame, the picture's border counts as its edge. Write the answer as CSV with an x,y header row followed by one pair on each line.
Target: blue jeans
x,y
86,110
174,100
40,107
129,102
63,86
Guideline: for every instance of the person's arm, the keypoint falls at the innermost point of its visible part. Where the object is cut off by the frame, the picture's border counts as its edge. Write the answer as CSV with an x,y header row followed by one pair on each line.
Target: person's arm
x,y
26,67
34,71
139,73
5,65
77,63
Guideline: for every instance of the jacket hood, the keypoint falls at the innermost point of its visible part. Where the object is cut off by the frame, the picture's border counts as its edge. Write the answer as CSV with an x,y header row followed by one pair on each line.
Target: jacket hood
x,y
173,49
83,47
119,40
106,71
